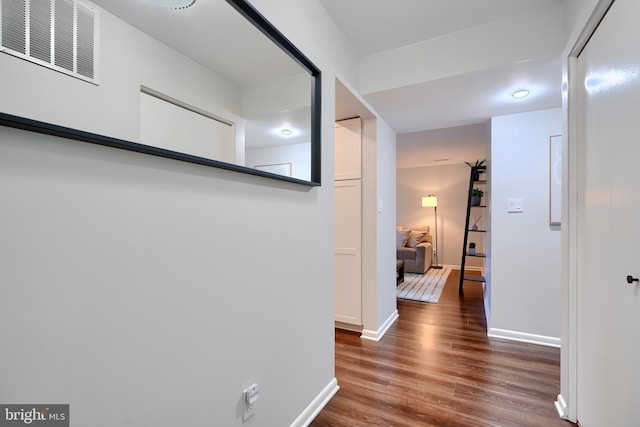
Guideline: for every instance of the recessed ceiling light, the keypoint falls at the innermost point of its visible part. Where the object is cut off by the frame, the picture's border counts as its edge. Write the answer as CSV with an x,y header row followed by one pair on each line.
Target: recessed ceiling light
x,y
520,93
173,4
286,132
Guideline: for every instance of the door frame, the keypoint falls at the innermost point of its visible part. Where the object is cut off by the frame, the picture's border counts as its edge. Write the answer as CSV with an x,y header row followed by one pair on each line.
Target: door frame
x,y
585,27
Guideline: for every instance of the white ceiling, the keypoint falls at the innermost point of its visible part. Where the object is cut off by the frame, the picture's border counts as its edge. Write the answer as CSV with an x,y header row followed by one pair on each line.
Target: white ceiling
x,y
470,98
382,26
211,33
375,28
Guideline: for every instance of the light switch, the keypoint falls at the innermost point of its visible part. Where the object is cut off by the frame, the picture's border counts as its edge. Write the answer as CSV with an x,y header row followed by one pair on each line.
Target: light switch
x,y
515,205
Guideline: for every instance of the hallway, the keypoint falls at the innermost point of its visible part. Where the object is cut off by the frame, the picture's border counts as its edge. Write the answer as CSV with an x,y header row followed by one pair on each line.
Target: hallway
x,y
437,367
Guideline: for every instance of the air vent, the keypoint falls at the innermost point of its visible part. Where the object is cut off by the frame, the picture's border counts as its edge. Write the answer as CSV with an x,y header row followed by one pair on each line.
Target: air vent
x,y
59,34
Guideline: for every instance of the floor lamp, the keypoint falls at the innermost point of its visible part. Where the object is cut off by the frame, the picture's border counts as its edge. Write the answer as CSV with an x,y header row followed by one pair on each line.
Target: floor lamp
x,y
431,201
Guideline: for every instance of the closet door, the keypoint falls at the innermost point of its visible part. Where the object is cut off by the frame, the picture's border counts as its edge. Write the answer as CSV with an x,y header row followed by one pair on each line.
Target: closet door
x,y
348,153
348,221
608,307
348,252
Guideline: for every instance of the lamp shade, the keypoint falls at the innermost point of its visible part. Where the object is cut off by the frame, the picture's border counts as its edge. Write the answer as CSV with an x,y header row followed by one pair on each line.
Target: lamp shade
x,y
430,201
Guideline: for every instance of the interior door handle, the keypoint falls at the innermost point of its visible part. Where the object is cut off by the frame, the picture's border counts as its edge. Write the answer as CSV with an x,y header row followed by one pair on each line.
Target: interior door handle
x,y
631,279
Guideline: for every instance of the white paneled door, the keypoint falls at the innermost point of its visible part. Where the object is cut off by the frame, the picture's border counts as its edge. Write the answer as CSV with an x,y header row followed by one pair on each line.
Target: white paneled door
x,y
348,154
348,222
608,308
348,252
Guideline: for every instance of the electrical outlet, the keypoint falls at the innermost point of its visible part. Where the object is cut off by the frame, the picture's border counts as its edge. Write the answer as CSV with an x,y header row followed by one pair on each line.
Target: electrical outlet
x,y
250,396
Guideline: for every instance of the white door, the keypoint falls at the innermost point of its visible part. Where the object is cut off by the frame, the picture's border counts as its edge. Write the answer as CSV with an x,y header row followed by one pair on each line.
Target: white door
x,y
608,308
348,149
348,252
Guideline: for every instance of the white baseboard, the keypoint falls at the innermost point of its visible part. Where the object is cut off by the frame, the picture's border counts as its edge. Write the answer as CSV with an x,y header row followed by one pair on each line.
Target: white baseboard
x,y
524,337
348,326
561,407
377,335
314,408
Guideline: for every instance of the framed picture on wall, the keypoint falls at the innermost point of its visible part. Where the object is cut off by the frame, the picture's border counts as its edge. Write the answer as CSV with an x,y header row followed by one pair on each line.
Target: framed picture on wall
x,y
277,168
555,179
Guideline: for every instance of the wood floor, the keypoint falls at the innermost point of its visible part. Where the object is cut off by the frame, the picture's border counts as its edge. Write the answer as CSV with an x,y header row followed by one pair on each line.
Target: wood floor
x,y
436,367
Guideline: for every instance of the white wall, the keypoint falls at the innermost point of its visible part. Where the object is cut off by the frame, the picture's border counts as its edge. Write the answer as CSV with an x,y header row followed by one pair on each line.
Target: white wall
x,y
378,225
167,125
386,221
525,249
447,146
451,184
537,34
299,155
113,107
158,290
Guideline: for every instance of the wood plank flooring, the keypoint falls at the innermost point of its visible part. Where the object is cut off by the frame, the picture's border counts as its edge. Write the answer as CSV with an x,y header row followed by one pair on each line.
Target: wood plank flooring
x,y
437,367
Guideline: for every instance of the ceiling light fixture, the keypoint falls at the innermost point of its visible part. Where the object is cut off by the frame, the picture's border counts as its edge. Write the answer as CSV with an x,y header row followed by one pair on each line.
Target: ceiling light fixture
x,y
286,132
521,93
173,4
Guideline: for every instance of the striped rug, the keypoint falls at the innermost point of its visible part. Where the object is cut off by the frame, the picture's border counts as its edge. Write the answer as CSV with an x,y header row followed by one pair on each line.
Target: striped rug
x,y
423,287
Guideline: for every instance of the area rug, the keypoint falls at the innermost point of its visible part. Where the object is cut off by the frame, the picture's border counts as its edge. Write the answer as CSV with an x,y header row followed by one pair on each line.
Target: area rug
x,y
423,287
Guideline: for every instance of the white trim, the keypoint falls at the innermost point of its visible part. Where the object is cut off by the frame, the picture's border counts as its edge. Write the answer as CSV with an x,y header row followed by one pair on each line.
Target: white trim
x,y
347,326
569,236
314,408
590,26
171,100
524,337
569,244
561,407
377,335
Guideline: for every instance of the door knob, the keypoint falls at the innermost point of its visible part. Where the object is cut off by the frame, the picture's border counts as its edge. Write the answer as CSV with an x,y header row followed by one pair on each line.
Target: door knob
x,y
631,279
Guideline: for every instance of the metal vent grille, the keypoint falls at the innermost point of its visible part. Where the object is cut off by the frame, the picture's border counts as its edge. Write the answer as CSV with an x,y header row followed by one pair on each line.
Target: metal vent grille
x,y
59,34
85,50
14,18
40,30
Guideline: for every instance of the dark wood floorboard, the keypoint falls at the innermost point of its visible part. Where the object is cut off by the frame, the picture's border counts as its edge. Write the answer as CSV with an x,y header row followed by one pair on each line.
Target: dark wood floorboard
x,y
437,367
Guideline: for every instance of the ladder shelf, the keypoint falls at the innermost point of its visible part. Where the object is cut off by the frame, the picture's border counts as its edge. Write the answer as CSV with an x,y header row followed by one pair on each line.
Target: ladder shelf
x,y
473,180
